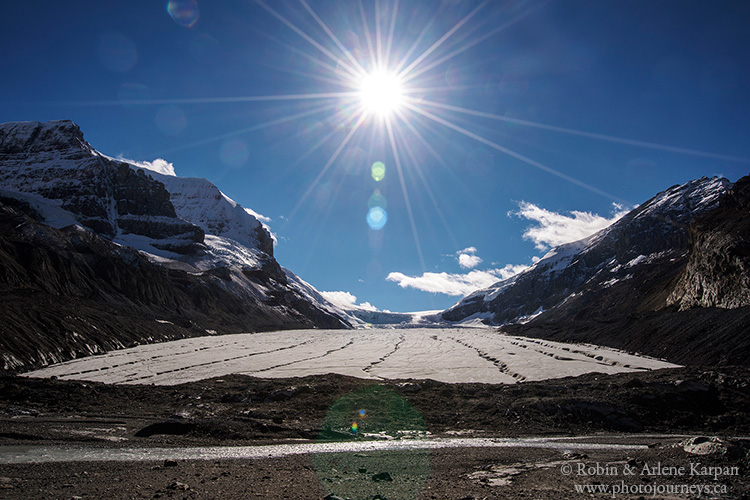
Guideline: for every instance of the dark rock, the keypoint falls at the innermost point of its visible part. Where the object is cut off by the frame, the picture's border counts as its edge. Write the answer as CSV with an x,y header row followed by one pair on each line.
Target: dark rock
x,y
170,463
382,476
691,386
166,428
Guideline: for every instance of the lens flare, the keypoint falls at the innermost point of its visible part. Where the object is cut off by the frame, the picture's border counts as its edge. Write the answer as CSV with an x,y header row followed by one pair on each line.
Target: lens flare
x,y
378,171
376,218
233,152
388,416
377,200
184,12
117,52
170,120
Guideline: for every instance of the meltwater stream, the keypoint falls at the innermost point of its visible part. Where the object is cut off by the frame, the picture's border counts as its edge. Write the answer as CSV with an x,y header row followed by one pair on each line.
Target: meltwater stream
x,y
46,454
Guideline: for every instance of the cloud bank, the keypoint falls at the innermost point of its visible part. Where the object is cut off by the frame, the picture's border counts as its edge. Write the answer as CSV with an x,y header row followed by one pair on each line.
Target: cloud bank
x,y
554,228
455,284
551,229
346,300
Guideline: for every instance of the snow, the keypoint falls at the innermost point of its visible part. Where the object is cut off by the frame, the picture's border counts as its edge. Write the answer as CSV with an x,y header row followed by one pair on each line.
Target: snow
x,y
52,211
199,202
696,195
445,354
635,261
159,165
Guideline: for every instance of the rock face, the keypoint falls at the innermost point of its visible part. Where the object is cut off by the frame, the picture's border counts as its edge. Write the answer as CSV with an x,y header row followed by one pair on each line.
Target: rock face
x,y
669,279
718,270
97,253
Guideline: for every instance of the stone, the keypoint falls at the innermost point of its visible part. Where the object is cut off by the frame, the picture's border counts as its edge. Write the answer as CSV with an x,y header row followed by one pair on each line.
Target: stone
x,y
176,485
382,476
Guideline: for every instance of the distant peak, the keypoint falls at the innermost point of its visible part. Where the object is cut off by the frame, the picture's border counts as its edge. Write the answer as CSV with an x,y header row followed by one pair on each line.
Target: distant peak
x,y
33,137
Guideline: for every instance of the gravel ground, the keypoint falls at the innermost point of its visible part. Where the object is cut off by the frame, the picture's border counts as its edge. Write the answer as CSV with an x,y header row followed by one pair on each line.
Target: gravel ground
x,y
237,410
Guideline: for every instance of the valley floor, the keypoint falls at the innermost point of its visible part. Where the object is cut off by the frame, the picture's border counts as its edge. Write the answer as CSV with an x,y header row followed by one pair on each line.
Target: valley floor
x,y
657,410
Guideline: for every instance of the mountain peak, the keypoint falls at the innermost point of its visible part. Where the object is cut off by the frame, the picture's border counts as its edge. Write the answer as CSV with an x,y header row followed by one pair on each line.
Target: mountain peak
x,y
36,137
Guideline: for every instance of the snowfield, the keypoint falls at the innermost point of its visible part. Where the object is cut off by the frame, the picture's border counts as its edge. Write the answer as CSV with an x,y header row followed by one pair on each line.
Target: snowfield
x,y
447,355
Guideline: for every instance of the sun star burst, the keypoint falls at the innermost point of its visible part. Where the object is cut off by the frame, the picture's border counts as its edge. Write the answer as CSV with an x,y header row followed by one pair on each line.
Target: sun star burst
x,y
381,93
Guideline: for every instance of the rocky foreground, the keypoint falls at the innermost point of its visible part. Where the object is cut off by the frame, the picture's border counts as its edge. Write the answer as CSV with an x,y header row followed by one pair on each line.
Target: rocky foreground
x,y
703,411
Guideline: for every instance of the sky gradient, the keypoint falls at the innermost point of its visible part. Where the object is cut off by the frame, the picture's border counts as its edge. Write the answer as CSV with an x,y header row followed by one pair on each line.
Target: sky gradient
x,y
523,124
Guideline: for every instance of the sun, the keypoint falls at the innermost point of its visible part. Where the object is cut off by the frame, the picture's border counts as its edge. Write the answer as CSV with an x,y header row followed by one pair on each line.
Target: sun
x,y
381,93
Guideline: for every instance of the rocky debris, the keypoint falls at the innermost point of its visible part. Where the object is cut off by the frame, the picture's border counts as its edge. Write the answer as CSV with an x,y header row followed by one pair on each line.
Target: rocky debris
x,y
504,475
409,387
713,445
284,394
656,402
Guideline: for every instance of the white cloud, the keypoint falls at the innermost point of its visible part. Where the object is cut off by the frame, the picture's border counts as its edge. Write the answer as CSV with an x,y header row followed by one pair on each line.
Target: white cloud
x,y
346,300
159,165
467,259
455,284
555,228
341,299
368,307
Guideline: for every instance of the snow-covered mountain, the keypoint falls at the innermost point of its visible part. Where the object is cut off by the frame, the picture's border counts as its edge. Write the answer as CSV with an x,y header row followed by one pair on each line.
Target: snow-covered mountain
x,y
192,244
655,231
623,286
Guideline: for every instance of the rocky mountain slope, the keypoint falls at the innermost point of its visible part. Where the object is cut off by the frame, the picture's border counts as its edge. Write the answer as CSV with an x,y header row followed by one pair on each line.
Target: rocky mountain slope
x,y
718,269
97,253
623,286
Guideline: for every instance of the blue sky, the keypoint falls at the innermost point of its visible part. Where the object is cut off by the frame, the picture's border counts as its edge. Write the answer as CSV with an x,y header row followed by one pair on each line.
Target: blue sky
x,y
522,124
